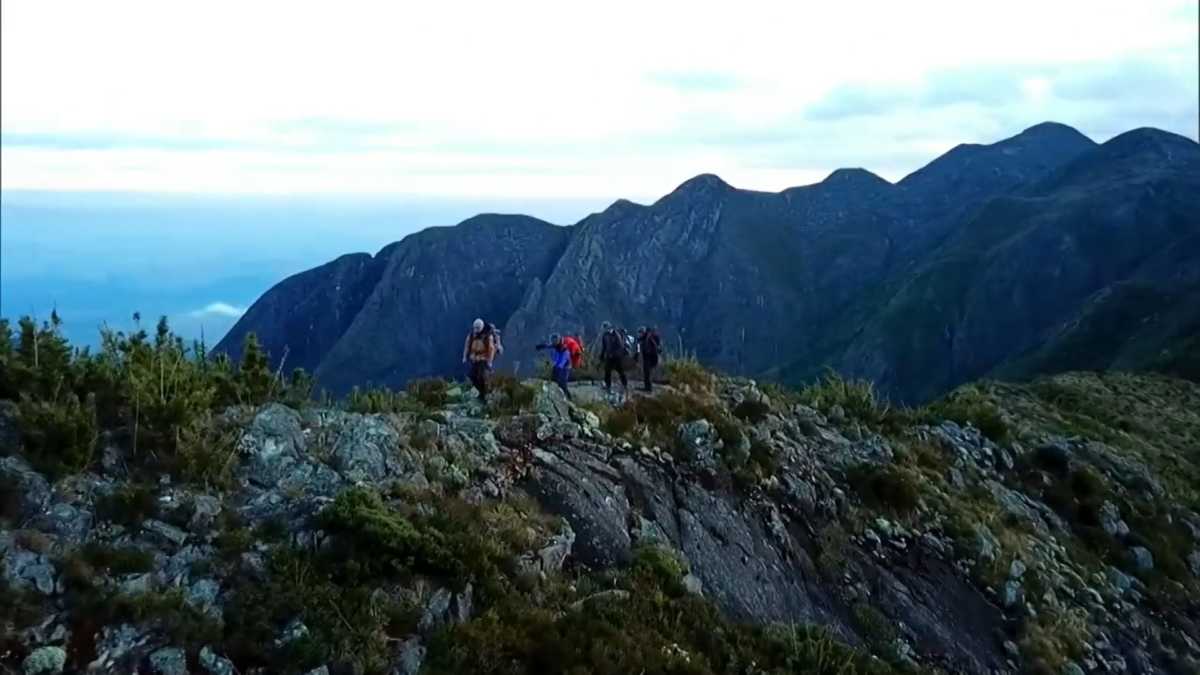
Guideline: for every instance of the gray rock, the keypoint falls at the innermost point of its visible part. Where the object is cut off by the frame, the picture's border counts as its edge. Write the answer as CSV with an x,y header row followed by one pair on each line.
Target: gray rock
x,y
410,656
66,521
214,663
1142,558
322,670
986,544
31,488
203,594
1193,560
136,584
44,660
272,443
118,648
693,584
1072,668
28,570
169,661
1120,581
699,442
1110,520
436,610
1012,594
165,533
550,402
1016,570
294,630
363,446
205,509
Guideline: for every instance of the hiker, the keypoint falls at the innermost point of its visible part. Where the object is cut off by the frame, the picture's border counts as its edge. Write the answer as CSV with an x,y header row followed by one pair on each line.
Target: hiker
x,y
574,346
560,360
649,347
613,352
479,350
491,327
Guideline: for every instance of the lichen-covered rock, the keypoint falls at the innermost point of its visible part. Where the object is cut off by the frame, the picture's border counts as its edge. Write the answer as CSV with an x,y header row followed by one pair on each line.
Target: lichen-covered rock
x,y
28,570
168,661
215,664
49,659
30,489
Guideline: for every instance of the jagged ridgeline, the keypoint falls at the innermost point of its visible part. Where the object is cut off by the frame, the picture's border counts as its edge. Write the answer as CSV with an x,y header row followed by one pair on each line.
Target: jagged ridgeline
x,y
165,512
1040,253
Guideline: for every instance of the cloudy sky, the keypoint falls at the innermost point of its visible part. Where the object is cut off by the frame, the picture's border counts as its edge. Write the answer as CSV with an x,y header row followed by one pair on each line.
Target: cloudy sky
x,y
560,99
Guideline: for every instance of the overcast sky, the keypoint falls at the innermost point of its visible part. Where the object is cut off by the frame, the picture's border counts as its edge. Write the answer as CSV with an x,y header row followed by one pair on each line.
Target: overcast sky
x,y
561,99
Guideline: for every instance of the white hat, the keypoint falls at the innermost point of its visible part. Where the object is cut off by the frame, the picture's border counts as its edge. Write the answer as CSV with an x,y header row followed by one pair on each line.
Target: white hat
x,y
478,325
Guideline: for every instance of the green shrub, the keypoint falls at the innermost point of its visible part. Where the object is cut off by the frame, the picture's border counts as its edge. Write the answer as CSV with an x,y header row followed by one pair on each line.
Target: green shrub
x,y
378,400
661,567
856,398
622,421
509,396
117,560
128,505
879,631
969,405
59,436
751,411
430,392
885,486
688,372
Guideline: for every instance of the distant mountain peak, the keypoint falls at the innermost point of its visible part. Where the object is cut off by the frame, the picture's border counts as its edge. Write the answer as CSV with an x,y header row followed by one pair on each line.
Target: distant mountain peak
x,y
705,182
855,177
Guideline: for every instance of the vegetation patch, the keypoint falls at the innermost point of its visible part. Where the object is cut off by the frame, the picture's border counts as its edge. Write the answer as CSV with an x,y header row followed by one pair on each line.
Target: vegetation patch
x,y
855,398
970,405
128,505
890,486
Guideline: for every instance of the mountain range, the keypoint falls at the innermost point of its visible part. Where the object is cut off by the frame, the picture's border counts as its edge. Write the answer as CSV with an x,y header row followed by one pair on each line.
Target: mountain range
x,y
1039,253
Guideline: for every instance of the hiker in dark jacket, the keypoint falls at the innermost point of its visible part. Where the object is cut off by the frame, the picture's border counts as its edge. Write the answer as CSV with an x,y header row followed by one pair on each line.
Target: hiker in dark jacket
x,y
613,353
479,350
560,361
649,347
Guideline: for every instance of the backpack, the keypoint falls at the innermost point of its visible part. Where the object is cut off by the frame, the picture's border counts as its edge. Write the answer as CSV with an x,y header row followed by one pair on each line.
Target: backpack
x,y
630,345
576,350
650,345
614,345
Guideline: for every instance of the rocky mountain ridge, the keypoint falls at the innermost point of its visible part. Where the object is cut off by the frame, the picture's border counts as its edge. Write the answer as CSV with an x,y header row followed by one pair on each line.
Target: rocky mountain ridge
x,y
874,279
1049,527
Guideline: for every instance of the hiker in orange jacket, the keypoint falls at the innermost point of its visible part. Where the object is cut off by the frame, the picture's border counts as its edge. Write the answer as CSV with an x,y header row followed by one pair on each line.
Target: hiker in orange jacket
x,y
479,350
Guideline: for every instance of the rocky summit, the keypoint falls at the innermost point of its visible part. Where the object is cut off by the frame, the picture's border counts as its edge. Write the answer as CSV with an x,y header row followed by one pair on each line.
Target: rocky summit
x,y
919,286
717,525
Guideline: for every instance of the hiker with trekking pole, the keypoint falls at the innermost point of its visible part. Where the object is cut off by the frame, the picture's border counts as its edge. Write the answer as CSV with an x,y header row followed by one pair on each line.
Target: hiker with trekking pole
x,y
561,357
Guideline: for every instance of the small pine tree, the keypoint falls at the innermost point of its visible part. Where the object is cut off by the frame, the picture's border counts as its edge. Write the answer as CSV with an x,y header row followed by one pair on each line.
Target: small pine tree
x,y
256,382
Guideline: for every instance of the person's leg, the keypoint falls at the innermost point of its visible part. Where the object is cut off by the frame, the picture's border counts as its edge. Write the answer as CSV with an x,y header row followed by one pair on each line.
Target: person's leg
x,y
647,367
621,372
560,376
608,371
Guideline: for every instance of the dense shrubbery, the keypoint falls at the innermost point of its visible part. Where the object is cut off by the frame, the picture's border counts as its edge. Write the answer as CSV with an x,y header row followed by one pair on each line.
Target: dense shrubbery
x,y
855,398
890,486
155,392
970,405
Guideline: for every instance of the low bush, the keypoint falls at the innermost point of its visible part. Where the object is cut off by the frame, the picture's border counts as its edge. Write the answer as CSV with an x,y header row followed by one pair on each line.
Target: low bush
x,y
378,400
890,486
856,398
688,373
970,406
128,505
58,435
430,392
751,411
510,396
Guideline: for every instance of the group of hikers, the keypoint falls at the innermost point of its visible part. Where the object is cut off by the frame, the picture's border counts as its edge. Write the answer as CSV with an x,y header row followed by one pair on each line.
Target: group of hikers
x,y
483,345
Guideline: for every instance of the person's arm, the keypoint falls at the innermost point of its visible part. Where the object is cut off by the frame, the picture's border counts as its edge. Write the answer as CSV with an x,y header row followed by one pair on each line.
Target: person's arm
x,y
466,348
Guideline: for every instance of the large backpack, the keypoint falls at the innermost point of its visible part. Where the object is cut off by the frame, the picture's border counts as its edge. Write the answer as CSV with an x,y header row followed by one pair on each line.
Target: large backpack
x,y
576,350
650,347
614,345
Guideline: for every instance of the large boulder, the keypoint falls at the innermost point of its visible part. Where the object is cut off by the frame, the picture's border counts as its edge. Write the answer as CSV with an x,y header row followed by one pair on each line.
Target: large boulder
x,y
24,493
272,445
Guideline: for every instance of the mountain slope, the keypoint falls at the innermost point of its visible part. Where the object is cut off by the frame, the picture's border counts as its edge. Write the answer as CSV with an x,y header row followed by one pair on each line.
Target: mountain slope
x,y
1014,274
874,278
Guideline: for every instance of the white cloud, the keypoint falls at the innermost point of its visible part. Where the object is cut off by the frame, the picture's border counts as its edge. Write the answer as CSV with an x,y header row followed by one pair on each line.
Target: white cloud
x,y
530,98
218,309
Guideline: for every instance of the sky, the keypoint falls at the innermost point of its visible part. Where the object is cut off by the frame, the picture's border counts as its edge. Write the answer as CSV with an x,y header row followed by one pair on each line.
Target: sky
x,y
178,158
556,100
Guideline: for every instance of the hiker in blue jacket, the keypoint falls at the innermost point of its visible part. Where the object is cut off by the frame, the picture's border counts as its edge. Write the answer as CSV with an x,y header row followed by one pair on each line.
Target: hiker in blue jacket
x,y
560,360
